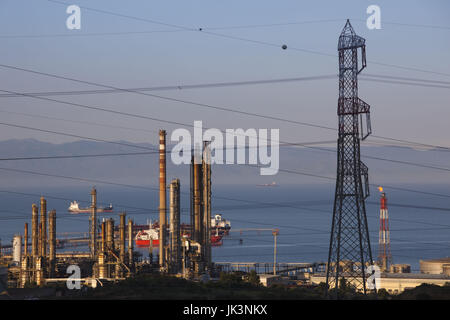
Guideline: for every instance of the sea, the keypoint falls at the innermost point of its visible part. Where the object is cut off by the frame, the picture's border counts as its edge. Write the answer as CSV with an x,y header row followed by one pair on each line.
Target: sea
x,y
419,221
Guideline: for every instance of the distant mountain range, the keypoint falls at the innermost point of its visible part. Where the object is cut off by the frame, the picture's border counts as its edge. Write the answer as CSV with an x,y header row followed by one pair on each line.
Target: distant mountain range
x,y
143,169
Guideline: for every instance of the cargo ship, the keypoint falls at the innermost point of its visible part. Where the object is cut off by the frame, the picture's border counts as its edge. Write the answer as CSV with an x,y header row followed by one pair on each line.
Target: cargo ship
x,y
219,228
143,237
273,184
74,208
220,224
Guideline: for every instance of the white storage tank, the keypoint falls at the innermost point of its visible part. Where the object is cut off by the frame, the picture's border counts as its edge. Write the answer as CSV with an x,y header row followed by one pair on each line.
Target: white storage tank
x,y
17,247
434,266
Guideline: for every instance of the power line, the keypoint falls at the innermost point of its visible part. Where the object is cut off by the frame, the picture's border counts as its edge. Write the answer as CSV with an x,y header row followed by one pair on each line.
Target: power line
x,y
368,77
238,111
78,35
243,39
97,34
67,199
74,136
204,105
128,114
410,25
283,170
406,83
77,121
77,178
176,87
146,153
371,184
79,156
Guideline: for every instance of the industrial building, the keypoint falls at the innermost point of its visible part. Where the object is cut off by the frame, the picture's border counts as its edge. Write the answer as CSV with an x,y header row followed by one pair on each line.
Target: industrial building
x,y
396,283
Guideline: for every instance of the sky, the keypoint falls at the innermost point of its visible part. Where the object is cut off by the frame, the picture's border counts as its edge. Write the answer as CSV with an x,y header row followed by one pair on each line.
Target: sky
x,y
137,53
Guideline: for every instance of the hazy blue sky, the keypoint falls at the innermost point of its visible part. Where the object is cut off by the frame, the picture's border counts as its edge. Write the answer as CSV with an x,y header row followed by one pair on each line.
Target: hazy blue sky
x,y
190,57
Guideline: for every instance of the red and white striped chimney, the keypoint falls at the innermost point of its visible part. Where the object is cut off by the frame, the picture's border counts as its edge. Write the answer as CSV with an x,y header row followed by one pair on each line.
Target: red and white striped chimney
x,y
384,242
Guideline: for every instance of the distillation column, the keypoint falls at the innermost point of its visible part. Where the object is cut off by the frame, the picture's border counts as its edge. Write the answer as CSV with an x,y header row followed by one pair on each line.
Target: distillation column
x,y
206,170
130,244
119,267
93,226
52,242
34,232
175,235
43,238
102,266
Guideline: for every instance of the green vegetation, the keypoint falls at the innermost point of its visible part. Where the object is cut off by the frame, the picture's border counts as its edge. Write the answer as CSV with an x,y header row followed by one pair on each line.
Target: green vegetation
x,y
426,292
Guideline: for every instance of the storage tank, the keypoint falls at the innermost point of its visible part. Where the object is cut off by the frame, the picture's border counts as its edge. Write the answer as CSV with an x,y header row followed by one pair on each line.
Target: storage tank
x,y
400,268
434,266
17,246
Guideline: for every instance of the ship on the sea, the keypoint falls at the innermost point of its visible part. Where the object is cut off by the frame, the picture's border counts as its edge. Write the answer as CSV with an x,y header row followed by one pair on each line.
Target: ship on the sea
x,y
220,224
143,238
219,228
75,208
273,184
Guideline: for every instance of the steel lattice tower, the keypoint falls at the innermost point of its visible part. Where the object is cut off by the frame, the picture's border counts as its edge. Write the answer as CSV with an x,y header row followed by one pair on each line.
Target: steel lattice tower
x,y
349,252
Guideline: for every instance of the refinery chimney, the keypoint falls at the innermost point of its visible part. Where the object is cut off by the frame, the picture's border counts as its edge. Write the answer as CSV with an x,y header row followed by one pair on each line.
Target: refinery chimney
x,y
197,232
206,170
52,242
93,226
162,199
25,240
34,231
130,243
43,238
175,235
384,243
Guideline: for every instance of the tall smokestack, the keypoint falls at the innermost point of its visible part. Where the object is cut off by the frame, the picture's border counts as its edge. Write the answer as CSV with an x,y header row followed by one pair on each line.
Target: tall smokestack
x,y
175,236
206,170
102,255
34,231
52,241
130,243
197,179
93,218
110,234
384,243
162,198
44,227
25,240
122,237
103,247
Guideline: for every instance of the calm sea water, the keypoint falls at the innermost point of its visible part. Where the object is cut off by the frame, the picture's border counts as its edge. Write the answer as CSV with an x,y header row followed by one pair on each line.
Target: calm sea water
x,y
302,214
